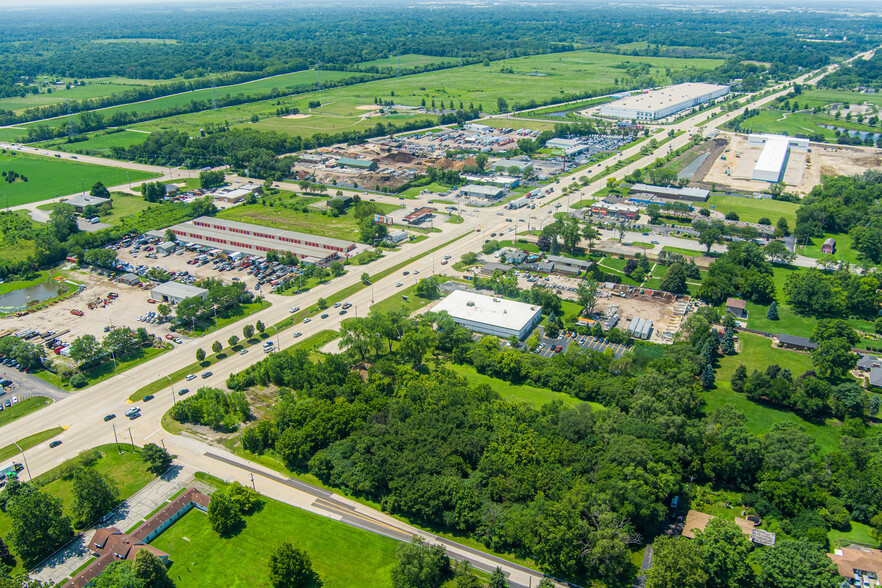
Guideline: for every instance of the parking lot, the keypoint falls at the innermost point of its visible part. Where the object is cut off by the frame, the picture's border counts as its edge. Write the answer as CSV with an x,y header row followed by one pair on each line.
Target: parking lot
x,y
548,346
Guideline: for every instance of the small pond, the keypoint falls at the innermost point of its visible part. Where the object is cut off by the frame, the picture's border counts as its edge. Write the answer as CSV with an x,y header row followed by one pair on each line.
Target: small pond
x,y
24,297
862,134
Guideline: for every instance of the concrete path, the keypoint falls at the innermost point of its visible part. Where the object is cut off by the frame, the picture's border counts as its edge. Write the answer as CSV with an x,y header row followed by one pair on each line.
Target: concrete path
x,y
128,514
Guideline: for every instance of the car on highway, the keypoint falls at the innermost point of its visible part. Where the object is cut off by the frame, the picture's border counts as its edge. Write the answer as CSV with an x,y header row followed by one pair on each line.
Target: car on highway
x,y
443,262
148,398
54,444
183,391
298,334
338,304
206,375
190,377
293,309
397,284
306,320
109,417
324,315
132,411
405,273
415,272
243,352
342,312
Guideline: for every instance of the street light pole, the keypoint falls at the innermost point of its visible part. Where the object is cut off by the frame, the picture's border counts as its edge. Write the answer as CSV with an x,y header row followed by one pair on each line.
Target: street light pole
x,y
30,478
174,400
131,439
115,439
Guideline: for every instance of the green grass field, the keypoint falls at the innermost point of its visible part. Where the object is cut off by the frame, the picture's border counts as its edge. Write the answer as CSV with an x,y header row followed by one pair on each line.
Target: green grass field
x,y
323,122
558,74
202,559
788,320
313,222
13,133
99,143
516,393
49,177
23,408
859,533
124,204
843,252
757,353
752,209
397,302
283,82
96,88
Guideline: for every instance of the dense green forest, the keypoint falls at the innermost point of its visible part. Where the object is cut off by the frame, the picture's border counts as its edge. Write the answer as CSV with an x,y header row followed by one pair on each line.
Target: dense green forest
x,y
573,488
862,72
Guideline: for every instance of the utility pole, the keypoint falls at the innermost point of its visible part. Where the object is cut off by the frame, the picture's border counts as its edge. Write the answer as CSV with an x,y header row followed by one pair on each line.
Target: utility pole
x,y
174,400
252,483
25,460
131,439
115,439
163,445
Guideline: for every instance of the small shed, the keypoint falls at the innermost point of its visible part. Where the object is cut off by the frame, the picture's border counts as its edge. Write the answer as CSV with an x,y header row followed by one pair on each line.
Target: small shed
x,y
737,307
829,246
130,279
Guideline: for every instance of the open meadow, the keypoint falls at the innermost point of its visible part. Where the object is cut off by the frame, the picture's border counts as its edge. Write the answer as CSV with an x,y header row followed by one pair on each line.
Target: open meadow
x,y
519,80
49,177
94,88
98,143
752,209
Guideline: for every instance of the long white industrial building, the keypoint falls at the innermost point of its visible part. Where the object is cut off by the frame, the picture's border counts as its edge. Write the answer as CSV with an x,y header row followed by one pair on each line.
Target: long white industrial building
x,y
772,160
657,104
257,239
491,315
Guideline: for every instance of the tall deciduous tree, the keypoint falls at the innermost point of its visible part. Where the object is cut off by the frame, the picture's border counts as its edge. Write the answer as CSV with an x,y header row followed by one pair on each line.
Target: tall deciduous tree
x,y
150,570
795,564
157,459
223,514
676,562
94,495
39,526
290,567
420,565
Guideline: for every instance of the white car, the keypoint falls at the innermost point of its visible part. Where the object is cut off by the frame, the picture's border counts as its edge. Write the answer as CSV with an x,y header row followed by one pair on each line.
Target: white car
x,y
243,352
297,335
307,319
293,309
397,284
190,377
15,400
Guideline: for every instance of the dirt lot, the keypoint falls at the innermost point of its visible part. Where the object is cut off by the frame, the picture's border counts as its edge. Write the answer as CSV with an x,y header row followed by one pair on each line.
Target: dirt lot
x,y
803,172
657,310
123,311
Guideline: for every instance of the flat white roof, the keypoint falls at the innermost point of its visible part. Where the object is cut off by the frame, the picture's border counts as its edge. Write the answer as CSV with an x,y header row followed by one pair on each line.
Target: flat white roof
x,y
477,308
659,99
773,155
476,189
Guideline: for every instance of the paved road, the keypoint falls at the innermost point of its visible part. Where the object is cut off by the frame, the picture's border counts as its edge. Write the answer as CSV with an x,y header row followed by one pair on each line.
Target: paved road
x,y
83,412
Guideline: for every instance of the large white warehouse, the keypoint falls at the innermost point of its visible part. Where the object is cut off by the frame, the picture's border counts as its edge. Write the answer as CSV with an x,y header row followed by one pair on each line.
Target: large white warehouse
x,y
487,314
658,104
772,160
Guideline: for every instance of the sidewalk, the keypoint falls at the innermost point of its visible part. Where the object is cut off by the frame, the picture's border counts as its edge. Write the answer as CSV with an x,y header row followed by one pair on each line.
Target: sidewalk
x,y
63,563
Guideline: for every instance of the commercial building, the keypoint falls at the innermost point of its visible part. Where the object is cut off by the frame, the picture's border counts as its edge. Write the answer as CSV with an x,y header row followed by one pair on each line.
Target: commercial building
x,y
772,160
570,147
419,215
669,193
491,315
130,279
81,201
476,191
656,104
568,265
477,128
396,236
616,210
357,163
174,292
166,247
235,196
256,239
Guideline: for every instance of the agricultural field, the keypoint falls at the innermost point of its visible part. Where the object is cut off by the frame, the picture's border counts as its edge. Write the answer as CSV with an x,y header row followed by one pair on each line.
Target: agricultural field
x,y
752,209
331,123
13,134
283,82
312,222
537,77
49,177
99,143
201,558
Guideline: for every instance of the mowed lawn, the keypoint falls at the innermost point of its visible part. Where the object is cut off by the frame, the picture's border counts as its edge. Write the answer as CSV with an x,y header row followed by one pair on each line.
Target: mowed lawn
x,y
99,142
752,209
756,352
341,555
789,321
843,251
49,177
407,61
514,392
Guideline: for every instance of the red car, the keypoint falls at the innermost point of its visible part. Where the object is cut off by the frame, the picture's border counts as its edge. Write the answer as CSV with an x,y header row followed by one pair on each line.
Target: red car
x,y
444,262
558,349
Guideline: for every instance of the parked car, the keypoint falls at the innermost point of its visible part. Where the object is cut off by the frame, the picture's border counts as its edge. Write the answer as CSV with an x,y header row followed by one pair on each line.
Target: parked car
x,y
325,315
54,444
109,417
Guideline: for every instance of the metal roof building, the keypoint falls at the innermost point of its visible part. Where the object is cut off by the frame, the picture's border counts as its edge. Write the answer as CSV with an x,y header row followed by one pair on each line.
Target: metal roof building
x,y
658,104
487,314
174,292
257,239
481,191
691,194
357,163
81,201
773,158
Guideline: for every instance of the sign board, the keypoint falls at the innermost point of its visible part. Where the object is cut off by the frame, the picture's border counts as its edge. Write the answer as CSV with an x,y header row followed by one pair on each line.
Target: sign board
x,y
383,219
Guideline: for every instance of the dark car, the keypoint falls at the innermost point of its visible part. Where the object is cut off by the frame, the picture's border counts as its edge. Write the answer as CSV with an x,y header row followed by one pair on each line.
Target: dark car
x,y
206,375
325,315
54,444
109,417
342,312
148,398
183,391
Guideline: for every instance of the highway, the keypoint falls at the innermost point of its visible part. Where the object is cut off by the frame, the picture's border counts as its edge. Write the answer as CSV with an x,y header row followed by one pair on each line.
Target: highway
x,y
83,412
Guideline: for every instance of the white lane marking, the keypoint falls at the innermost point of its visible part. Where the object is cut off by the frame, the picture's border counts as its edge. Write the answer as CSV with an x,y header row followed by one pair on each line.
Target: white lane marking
x,y
153,433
